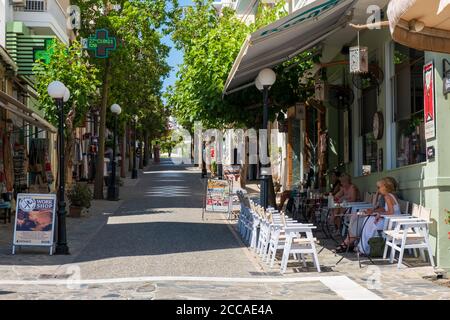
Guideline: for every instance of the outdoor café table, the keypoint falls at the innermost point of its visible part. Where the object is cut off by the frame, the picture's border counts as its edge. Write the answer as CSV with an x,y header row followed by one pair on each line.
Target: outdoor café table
x,y
350,207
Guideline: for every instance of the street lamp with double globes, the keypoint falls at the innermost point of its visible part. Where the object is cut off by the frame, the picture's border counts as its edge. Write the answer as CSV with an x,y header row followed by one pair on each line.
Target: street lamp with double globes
x,y
58,91
266,78
134,173
113,190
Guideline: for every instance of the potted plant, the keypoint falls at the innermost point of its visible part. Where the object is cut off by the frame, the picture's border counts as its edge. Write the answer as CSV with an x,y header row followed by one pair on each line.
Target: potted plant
x,y
213,168
80,197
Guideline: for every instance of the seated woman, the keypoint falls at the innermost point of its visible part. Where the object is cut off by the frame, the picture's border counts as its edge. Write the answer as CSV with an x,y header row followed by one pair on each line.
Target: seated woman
x,y
386,188
375,223
348,192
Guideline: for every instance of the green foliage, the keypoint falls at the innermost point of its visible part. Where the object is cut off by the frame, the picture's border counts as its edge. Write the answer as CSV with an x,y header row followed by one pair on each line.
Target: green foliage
x,y
80,195
138,66
71,66
211,43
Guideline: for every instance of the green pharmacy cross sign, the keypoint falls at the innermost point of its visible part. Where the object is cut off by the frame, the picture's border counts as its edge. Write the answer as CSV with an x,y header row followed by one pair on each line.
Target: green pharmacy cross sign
x,y
101,43
44,53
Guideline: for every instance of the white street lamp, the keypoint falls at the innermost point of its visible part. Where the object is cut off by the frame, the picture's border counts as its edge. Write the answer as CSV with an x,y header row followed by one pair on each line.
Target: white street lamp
x,y
113,190
116,109
56,90
266,78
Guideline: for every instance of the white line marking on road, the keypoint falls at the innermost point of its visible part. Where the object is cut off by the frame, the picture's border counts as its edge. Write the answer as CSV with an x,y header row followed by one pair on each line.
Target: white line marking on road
x,y
341,285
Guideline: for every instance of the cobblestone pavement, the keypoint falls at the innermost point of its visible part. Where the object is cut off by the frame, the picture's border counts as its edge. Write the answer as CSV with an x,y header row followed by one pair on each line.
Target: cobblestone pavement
x,y
153,244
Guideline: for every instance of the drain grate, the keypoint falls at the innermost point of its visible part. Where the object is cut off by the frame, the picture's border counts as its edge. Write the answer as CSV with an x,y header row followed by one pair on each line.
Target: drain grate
x,y
54,276
6,292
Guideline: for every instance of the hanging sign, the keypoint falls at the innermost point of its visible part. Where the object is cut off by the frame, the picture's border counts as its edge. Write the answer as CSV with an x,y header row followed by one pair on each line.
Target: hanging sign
x,y
35,220
429,101
217,196
101,43
359,59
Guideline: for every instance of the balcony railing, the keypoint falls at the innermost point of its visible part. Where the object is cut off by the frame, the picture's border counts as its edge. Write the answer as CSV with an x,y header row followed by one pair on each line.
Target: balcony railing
x,y
33,6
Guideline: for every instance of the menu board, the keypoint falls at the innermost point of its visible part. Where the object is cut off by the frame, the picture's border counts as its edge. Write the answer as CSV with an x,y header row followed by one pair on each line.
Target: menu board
x,y
217,196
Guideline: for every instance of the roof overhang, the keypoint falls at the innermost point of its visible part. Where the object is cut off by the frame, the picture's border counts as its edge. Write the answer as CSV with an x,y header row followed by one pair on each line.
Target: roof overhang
x,y
288,37
435,14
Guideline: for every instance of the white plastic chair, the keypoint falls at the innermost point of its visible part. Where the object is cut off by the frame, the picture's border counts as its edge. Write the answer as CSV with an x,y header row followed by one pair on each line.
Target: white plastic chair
x,y
408,234
296,244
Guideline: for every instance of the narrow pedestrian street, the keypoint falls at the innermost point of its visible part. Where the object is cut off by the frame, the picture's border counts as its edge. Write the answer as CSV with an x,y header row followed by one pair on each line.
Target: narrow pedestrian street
x,y
158,231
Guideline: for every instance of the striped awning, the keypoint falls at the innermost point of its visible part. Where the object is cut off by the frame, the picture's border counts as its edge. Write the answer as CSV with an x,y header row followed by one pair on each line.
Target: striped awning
x,y
433,14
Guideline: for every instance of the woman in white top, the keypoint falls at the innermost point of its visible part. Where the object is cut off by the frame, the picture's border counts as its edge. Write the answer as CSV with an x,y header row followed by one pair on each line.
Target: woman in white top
x,y
375,222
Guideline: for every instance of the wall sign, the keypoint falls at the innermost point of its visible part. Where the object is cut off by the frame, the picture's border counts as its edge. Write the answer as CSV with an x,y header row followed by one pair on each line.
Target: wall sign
x,y
429,101
35,220
431,153
44,53
101,43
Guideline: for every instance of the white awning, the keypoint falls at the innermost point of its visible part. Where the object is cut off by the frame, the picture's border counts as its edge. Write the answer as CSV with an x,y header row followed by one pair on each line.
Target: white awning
x,y
287,37
433,15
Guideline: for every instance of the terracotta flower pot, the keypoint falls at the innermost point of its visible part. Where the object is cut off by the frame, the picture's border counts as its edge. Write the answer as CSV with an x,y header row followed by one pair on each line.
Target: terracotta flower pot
x,y
75,212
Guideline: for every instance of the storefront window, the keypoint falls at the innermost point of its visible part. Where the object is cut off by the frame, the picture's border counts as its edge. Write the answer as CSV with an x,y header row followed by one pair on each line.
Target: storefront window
x,y
409,105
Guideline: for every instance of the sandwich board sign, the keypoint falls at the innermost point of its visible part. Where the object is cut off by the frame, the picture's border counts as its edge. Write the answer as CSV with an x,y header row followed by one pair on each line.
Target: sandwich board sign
x,y
217,196
35,220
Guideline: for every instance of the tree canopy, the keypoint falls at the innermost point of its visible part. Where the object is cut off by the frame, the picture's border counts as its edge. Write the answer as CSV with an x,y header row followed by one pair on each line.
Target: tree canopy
x,y
210,43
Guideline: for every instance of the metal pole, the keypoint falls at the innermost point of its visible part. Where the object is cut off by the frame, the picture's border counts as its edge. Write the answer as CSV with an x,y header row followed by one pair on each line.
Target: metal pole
x,y
134,172
264,195
113,191
61,245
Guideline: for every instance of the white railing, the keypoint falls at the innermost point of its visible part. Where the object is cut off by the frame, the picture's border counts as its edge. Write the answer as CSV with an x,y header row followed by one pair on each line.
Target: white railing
x,y
33,6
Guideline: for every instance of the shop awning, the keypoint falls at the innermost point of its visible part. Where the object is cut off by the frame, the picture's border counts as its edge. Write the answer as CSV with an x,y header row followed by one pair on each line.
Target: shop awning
x,y
433,14
19,109
286,38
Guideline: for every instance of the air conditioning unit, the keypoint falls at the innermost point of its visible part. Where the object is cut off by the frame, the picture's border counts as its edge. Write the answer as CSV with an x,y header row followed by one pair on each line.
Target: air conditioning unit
x,y
18,3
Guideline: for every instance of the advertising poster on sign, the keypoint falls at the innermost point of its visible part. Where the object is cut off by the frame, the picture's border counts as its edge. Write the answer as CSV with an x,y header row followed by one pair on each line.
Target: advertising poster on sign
x,y
429,101
35,219
217,196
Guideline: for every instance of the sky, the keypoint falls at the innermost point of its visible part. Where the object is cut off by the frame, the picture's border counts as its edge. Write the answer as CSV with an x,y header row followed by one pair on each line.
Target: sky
x,y
175,56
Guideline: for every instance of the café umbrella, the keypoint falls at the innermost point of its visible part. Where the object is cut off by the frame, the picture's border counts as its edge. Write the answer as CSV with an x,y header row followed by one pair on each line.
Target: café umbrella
x,y
421,24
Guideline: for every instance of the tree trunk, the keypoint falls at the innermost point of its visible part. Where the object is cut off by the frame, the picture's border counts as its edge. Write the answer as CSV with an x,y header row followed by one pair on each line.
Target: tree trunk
x,y
146,149
123,151
98,187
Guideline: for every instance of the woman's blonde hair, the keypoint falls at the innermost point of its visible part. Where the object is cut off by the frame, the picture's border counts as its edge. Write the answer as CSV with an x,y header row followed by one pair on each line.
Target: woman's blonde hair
x,y
389,183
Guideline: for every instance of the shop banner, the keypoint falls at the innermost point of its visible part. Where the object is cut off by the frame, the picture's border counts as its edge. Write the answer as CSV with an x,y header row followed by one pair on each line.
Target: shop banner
x,y
35,219
429,101
217,196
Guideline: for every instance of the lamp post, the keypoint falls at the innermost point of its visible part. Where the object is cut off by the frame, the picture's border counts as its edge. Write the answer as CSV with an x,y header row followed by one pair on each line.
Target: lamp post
x,y
266,78
134,173
113,191
58,91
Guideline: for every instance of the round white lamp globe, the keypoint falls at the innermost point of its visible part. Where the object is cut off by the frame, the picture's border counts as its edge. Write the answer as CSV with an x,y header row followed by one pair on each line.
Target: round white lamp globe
x,y
267,77
258,84
66,95
56,90
116,109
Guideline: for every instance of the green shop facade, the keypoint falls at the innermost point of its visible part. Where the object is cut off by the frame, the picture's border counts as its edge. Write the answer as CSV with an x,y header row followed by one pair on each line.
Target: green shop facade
x,y
383,131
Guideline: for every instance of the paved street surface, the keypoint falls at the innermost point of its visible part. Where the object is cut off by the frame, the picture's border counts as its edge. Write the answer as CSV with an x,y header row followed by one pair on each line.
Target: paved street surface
x,y
153,244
